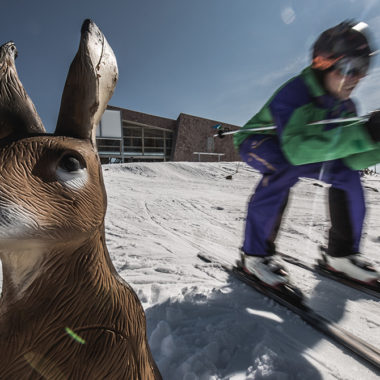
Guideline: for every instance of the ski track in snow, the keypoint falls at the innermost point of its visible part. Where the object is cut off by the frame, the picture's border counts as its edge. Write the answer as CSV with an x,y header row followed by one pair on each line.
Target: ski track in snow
x,y
202,323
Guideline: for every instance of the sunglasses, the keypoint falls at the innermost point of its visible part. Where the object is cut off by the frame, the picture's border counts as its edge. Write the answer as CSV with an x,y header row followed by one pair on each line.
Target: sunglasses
x,y
352,66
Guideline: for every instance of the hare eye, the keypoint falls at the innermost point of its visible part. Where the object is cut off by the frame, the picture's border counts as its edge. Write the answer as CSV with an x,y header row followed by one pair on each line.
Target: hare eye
x,y
70,164
71,171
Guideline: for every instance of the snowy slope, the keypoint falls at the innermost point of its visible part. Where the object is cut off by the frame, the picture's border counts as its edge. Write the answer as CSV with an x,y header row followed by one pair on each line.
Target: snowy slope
x,y
203,324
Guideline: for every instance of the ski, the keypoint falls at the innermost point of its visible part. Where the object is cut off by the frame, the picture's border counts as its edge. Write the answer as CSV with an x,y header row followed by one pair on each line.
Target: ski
x,y
319,268
362,349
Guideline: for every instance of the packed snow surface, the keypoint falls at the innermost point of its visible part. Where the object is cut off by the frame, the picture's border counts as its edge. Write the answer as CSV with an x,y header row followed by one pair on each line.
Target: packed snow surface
x,y
204,324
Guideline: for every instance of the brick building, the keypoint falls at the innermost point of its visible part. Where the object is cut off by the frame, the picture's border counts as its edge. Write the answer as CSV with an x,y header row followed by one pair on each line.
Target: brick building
x,y
125,136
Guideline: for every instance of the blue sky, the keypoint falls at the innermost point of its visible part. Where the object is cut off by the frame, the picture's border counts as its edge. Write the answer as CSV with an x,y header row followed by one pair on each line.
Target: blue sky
x,y
218,59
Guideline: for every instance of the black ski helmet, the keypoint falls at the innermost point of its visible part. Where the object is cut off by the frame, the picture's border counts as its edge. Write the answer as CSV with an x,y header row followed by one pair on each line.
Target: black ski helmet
x,y
345,40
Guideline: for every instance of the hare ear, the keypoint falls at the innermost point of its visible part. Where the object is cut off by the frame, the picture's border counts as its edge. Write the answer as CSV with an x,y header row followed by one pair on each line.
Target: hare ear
x,y
89,85
18,116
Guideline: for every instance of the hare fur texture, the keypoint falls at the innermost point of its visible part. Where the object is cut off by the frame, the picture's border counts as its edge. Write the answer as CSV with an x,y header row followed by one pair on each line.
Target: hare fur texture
x,y
64,311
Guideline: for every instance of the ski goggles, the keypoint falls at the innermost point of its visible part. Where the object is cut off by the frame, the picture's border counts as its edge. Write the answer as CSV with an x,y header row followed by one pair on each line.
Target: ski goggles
x,y
352,66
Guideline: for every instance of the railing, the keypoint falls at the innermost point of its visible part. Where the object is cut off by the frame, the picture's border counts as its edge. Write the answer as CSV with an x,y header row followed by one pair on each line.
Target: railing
x,y
208,154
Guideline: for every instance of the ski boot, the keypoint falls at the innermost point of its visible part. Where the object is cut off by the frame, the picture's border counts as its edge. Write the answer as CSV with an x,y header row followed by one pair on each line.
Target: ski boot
x,y
265,269
352,267
270,273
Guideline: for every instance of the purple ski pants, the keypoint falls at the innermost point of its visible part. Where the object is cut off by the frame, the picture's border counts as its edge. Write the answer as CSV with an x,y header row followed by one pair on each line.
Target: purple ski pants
x,y
267,204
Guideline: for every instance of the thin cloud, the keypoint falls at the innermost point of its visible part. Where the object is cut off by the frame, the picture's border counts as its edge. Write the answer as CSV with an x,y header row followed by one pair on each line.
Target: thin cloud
x,y
368,92
367,7
253,89
292,68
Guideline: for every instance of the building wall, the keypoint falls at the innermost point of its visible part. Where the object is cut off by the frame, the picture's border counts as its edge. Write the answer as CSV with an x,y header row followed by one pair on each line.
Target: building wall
x,y
191,134
195,134
146,119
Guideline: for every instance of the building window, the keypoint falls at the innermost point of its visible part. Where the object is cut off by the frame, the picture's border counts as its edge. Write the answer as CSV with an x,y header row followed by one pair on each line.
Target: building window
x,y
109,146
139,142
133,140
147,143
110,150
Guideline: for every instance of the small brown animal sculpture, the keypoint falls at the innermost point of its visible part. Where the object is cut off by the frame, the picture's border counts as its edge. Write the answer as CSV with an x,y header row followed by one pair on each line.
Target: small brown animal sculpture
x,y
64,311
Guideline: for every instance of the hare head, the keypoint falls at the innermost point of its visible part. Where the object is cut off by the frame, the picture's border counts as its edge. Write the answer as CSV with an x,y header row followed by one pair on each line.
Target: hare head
x,y
51,188
57,273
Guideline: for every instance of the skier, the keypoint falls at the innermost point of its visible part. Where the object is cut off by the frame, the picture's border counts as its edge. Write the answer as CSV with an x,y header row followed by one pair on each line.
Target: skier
x,y
333,153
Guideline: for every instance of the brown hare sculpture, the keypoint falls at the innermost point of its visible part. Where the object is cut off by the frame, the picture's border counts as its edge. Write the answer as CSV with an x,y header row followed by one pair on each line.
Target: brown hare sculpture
x,y
64,311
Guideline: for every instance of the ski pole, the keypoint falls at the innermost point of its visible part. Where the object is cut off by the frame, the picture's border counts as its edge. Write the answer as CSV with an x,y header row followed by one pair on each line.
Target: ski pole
x,y
246,130
340,120
319,122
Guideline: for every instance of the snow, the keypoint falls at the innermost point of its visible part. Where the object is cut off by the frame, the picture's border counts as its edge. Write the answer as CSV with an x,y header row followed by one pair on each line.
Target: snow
x,y
202,323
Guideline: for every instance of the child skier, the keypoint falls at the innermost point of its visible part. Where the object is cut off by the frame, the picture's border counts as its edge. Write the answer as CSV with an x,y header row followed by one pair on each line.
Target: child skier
x,y
331,152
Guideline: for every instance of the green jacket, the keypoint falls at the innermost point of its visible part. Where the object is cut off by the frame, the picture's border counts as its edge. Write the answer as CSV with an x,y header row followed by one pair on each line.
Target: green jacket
x,y
300,101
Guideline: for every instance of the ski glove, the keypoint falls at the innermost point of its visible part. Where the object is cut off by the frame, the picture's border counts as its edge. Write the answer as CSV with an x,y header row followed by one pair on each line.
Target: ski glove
x,y
373,126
